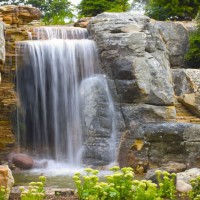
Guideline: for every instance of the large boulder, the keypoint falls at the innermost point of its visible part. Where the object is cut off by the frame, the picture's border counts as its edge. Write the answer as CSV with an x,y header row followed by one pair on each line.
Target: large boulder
x,y
158,143
135,56
6,179
175,36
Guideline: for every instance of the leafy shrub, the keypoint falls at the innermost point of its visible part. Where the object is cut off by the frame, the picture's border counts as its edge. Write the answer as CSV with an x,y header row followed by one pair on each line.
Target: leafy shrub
x,y
172,9
35,190
3,193
195,192
193,55
166,182
120,185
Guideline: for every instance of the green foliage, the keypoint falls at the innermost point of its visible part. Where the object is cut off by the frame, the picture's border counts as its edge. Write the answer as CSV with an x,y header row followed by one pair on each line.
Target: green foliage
x,y
120,185
57,11
94,7
195,192
172,9
193,55
3,193
35,190
166,182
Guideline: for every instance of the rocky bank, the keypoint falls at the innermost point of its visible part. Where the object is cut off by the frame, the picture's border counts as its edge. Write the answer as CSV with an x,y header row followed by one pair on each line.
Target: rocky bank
x,y
158,99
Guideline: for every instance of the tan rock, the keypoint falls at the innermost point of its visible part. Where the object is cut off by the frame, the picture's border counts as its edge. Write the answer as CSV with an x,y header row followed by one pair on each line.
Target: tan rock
x,y
19,14
83,22
6,178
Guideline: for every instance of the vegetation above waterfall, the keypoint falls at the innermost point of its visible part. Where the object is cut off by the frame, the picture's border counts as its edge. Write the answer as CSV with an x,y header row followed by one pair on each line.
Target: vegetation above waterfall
x,y
172,9
94,7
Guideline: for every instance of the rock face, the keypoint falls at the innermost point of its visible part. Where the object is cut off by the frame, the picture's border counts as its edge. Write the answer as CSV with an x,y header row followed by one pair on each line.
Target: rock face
x,y
14,27
6,179
138,54
19,15
175,37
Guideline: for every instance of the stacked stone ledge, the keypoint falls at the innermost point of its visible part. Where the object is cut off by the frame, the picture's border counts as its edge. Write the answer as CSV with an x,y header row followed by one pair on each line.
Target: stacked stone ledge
x,y
14,27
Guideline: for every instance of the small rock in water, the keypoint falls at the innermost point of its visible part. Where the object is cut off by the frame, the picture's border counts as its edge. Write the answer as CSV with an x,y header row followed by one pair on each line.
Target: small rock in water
x,y
22,161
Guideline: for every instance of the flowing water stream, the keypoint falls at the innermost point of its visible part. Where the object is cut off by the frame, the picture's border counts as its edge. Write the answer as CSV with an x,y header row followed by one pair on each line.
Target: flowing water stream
x,y
50,70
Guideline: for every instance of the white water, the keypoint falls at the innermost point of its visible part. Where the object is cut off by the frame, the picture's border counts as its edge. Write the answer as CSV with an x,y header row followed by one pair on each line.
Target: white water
x,y
59,32
138,7
49,75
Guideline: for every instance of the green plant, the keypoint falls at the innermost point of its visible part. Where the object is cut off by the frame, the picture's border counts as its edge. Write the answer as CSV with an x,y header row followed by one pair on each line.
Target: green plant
x,y
193,55
166,183
3,193
195,192
90,8
172,9
35,190
120,185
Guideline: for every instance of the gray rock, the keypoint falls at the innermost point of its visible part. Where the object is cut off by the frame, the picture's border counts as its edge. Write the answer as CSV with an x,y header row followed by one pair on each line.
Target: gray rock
x,y
101,120
189,174
133,54
164,142
175,37
147,113
187,88
186,81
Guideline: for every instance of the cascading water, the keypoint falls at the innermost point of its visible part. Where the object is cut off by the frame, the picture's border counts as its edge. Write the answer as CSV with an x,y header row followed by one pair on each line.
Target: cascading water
x,y
49,76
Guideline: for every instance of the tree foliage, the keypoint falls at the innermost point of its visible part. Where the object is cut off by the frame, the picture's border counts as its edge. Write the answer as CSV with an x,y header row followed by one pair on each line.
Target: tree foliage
x,y
54,11
94,7
193,55
172,9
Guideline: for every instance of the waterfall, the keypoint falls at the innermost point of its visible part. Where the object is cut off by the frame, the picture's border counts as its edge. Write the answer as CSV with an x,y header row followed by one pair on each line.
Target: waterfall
x,y
59,32
49,75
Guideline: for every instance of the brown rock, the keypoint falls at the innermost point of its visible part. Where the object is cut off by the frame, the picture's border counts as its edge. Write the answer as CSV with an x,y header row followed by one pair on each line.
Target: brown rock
x,y
22,161
83,22
19,14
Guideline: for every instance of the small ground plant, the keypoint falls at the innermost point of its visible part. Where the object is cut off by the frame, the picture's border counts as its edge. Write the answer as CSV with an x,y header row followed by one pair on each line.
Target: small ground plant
x,y
120,185
3,193
195,192
35,190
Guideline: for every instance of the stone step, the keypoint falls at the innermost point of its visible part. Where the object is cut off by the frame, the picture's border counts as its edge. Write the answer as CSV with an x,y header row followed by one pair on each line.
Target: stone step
x,y
184,115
